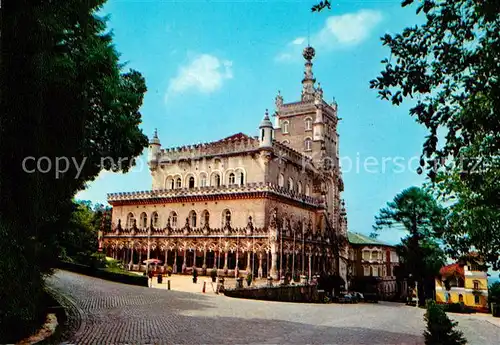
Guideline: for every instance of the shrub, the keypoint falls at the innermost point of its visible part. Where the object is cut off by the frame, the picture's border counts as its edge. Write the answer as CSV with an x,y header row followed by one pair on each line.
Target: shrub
x,y
440,329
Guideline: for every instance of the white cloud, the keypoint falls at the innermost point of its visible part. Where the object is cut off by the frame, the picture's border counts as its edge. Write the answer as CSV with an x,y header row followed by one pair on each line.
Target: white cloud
x,y
299,40
349,29
205,73
342,31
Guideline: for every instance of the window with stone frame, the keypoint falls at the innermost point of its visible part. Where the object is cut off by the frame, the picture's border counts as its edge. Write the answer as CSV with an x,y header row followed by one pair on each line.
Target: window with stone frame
x,y
130,220
375,271
192,219
226,217
205,216
308,144
366,255
173,219
476,284
366,271
308,124
299,187
284,127
290,184
281,180
308,190
155,217
232,178
143,220
172,184
191,182
203,180
178,183
375,255
216,180
242,178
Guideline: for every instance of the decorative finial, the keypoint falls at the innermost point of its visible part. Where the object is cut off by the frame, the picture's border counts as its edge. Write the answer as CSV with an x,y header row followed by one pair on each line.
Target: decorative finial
x,y
267,113
156,133
279,101
308,53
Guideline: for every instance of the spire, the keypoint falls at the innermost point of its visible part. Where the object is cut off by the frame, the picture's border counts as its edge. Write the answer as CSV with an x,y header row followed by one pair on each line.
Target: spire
x,y
155,139
308,81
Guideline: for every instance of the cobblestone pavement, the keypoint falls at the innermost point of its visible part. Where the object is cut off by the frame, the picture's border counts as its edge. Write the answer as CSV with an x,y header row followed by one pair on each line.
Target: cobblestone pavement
x,y
113,313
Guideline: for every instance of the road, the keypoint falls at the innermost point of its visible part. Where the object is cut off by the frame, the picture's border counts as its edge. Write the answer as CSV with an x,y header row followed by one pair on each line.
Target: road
x,y
104,312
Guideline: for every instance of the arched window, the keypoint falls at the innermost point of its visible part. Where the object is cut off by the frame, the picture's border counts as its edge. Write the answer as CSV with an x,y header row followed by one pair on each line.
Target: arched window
x,y
299,187
281,180
232,178
308,123
178,182
308,144
203,180
205,216
375,271
284,127
173,219
169,183
476,284
308,190
192,219
215,180
130,220
144,220
290,184
154,217
460,298
191,182
242,178
226,217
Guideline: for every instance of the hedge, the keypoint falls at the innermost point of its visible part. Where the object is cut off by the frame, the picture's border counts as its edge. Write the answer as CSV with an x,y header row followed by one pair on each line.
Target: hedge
x,y
103,274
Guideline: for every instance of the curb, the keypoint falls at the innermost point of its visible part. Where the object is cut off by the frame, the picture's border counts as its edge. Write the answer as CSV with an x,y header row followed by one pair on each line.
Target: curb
x,y
74,323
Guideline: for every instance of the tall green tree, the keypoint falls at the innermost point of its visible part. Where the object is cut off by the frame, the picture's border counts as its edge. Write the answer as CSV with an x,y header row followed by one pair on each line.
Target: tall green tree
x,y
416,211
448,68
65,98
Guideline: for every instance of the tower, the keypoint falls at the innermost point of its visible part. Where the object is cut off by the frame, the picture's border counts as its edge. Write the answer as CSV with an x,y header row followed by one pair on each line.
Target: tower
x,y
266,132
308,81
153,150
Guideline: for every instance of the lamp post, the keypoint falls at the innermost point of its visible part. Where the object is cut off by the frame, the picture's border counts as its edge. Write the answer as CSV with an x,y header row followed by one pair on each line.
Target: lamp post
x,y
293,256
149,249
281,252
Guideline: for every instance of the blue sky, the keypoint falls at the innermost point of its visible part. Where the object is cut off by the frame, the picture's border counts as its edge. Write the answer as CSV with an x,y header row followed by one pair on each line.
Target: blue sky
x,y
212,68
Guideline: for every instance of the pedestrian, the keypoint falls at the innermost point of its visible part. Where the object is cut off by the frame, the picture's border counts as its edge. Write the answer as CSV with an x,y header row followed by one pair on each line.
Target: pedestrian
x,y
150,275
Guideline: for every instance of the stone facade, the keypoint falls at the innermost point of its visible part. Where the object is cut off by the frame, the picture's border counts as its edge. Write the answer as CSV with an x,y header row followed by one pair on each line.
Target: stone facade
x,y
268,204
371,258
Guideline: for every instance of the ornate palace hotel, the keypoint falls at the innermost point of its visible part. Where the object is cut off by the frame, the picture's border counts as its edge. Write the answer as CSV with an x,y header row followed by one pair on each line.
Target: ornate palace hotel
x,y
269,203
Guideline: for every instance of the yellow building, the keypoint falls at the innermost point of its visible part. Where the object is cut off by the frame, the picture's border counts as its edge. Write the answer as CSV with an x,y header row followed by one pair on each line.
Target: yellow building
x,y
463,282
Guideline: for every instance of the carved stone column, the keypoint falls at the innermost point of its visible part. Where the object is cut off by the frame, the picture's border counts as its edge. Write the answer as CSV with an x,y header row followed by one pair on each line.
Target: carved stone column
x,y
309,257
274,264
249,267
225,262
259,272
287,261
131,257
140,258
166,258
204,259
175,261
184,261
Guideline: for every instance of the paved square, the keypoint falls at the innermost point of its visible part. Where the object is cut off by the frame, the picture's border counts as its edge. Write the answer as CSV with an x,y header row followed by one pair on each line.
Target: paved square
x,y
113,313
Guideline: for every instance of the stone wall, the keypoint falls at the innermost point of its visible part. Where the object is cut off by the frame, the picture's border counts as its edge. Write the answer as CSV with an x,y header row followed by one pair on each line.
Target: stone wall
x,y
287,293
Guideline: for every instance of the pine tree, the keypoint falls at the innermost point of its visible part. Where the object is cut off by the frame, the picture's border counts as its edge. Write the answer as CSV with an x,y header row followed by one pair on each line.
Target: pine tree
x,y
440,329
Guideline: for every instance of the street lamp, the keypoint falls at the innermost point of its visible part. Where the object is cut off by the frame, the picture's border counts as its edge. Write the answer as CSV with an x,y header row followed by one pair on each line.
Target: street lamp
x,y
149,246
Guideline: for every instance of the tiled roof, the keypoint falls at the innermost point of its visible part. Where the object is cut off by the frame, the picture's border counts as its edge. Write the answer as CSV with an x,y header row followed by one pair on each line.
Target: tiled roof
x,y
357,238
452,270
